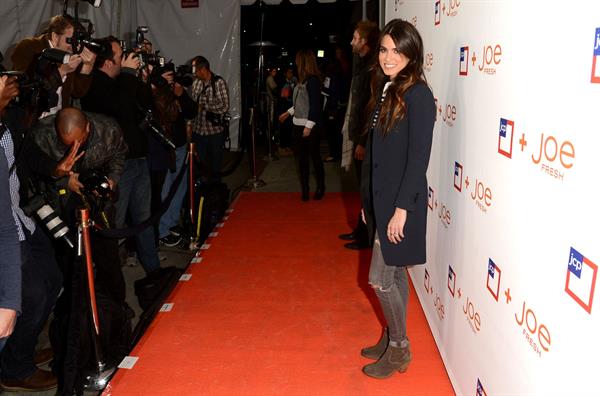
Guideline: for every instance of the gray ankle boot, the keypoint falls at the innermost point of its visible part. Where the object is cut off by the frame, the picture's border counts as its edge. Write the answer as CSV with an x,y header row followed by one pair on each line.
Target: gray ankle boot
x,y
394,359
374,352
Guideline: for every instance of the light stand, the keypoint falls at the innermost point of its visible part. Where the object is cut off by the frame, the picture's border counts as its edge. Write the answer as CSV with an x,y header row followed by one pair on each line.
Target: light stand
x,y
98,379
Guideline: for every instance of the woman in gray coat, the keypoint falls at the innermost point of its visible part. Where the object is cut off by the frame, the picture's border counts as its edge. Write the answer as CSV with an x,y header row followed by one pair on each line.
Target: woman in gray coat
x,y
394,185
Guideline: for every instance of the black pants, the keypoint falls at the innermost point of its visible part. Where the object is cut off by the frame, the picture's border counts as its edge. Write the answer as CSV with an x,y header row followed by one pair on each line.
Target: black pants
x,y
360,231
334,123
305,147
41,284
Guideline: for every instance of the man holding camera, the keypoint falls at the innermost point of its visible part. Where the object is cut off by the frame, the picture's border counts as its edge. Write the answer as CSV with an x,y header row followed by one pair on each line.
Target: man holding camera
x,y
41,279
212,95
103,151
117,92
74,83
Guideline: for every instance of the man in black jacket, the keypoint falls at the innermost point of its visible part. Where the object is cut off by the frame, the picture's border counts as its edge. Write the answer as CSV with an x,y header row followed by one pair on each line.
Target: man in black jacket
x,y
117,92
364,44
104,150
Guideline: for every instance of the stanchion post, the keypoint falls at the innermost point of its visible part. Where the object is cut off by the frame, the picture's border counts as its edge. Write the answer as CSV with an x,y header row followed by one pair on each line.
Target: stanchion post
x,y
98,379
191,185
254,181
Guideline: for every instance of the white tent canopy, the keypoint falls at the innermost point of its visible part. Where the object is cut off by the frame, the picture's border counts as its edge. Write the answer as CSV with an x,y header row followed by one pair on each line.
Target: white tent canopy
x,y
275,2
212,30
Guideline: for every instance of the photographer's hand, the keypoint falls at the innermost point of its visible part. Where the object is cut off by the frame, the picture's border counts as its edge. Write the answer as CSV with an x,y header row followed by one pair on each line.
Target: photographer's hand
x,y
63,168
283,117
131,61
88,58
74,184
178,89
168,76
70,67
8,318
9,89
111,184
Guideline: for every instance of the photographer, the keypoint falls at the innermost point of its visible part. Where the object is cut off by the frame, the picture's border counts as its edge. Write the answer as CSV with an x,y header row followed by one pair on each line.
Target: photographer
x,y
74,77
211,93
173,106
117,92
40,277
10,254
104,151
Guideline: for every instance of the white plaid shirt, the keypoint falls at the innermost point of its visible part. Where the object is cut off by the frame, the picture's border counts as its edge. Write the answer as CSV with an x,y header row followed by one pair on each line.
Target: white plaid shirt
x,y
216,102
20,218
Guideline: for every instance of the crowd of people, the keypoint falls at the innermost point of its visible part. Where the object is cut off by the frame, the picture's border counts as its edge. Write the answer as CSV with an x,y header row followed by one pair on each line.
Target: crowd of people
x,y
95,125
90,142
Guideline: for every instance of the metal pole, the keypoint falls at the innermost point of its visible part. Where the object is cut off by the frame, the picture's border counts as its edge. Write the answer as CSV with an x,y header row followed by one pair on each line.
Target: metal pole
x,y
364,10
191,186
87,247
98,379
254,181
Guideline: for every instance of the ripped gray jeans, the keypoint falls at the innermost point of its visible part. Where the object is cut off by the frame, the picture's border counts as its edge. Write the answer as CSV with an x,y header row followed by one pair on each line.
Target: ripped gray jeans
x,y
391,287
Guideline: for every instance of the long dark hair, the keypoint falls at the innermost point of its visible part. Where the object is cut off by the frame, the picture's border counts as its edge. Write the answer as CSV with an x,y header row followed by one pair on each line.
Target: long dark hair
x,y
408,41
306,63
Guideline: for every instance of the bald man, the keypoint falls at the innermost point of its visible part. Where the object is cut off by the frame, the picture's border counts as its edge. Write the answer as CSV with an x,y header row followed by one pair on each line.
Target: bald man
x,y
97,140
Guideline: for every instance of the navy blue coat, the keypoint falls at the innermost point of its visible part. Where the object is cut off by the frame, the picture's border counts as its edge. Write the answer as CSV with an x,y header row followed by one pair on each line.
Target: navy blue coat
x,y
394,176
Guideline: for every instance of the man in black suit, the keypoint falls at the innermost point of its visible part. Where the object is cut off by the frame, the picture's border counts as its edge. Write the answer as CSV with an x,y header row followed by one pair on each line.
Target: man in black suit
x,y
117,92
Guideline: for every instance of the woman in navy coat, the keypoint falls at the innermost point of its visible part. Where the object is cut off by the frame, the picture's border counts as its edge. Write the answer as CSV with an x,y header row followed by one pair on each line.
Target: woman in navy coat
x,y
394,186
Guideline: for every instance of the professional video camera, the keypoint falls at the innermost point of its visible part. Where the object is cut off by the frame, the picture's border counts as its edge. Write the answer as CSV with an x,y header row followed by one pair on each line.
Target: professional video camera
x,y
37,86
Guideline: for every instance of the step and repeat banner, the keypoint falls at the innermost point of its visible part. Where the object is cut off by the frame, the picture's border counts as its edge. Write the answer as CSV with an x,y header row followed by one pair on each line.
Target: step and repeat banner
x,y
513,228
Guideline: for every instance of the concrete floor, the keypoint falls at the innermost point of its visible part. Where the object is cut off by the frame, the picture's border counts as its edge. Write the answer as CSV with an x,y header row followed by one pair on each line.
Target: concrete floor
x,y
278,174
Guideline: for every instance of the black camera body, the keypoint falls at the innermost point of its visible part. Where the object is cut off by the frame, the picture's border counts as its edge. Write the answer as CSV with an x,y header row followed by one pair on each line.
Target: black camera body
x,y
38,85
95,184
218,119
181,75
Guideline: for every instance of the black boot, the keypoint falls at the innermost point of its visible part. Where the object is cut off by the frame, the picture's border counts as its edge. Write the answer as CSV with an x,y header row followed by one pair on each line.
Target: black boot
x,y
394,359
319,193
304,196
374,352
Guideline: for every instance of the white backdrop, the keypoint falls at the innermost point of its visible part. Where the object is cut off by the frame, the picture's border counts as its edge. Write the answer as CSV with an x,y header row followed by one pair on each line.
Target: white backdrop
x,y
211,30
511,234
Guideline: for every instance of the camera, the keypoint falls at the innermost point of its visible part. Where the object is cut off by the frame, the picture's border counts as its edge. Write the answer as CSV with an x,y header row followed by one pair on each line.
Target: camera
x,y
218,119
146,58
37,86
181,75
55,225
95,184
82,37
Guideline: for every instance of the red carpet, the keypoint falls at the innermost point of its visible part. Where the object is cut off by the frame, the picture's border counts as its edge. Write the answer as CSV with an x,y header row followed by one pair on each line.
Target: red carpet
x,y
277,307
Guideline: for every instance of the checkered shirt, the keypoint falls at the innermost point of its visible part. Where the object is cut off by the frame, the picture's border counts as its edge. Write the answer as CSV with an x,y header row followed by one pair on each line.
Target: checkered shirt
x,y
216,102
20,218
